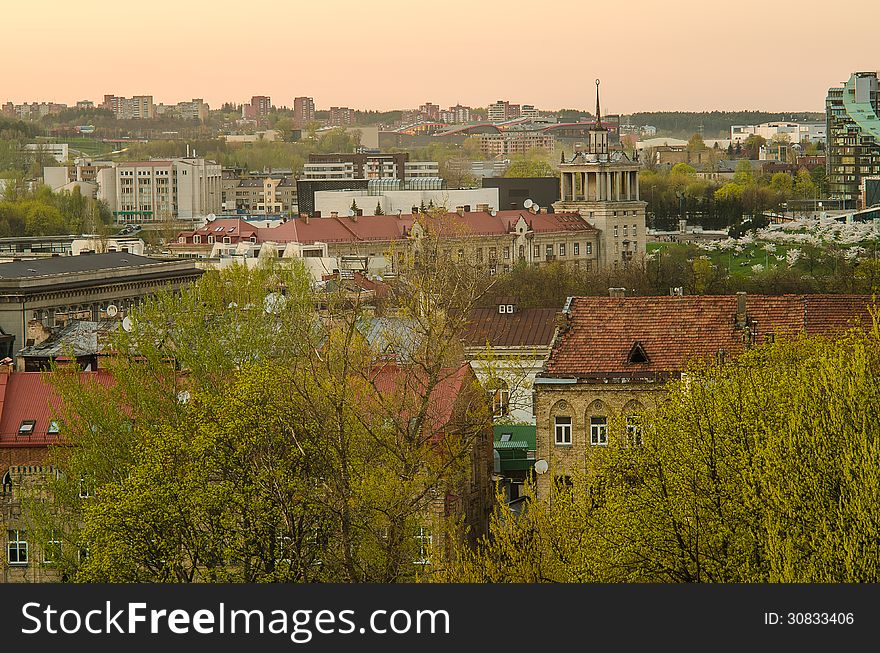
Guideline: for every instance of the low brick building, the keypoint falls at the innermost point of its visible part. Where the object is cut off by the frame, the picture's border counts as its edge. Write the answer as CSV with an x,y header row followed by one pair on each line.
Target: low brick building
x,y
613,356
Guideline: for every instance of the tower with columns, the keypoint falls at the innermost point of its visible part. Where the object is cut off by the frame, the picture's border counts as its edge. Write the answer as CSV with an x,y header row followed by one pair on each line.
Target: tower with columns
x,y
603,186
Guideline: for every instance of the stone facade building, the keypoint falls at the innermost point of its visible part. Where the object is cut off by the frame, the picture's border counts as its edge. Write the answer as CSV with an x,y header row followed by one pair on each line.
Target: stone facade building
x,y
613,355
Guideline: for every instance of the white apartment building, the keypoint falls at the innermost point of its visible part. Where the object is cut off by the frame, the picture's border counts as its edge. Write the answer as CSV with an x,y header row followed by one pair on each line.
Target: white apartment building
x,y
796,132
339,202
421,169
150,192
138,107
58,151
324,171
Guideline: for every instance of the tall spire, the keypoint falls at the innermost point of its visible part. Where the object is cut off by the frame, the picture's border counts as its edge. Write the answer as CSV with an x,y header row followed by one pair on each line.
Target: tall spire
x,y
599,126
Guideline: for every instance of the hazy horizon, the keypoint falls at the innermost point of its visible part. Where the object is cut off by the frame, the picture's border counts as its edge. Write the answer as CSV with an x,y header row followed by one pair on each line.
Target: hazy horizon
x,y
684,56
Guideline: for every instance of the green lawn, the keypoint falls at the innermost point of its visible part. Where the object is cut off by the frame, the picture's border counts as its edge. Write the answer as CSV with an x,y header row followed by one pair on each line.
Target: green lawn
x,y
740,264
89,146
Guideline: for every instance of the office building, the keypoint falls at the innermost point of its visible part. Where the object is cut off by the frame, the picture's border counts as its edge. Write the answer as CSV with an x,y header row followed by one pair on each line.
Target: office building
x,y
303,111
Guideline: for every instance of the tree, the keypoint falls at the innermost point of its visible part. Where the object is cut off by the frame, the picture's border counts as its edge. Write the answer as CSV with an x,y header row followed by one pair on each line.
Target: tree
x,y
354,205
736,479
245,437
533,164
378,210
696,144
803,185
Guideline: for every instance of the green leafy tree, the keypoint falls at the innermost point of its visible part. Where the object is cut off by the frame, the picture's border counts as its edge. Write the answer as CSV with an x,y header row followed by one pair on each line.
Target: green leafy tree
x,y
760,470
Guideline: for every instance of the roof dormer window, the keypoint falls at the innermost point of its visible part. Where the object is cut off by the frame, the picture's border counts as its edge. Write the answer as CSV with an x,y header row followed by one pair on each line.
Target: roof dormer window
x,y
27,427
637,354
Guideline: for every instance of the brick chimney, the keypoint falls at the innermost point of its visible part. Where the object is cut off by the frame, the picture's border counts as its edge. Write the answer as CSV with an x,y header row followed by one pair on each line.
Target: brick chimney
x,y
740,310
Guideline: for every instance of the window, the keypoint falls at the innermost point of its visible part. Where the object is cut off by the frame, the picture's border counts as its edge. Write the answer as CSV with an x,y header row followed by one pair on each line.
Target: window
x,y
425,541
561,249
633,431
227,240
461,255
507,253
479,254
598,431
197,240
563,431
615,231
493,253
52,548
499,395
522,251
537,251
54,428
549,250
86,488
502,308
26,427
16,548
589,248
634,228
563,483
625,230
577,249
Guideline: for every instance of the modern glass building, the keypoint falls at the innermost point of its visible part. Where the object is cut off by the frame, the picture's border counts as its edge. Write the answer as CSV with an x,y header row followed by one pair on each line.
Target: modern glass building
x,y
852,116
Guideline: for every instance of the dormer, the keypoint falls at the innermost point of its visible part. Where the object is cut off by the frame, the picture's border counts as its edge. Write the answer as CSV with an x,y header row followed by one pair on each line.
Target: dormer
x,y
506,305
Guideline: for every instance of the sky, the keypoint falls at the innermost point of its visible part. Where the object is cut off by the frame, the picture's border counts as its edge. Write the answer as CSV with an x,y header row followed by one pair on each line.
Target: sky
x,y
651,55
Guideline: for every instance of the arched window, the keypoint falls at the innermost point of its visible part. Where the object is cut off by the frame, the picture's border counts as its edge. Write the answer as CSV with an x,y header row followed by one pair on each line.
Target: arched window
x,y
597,419
632,413
561,424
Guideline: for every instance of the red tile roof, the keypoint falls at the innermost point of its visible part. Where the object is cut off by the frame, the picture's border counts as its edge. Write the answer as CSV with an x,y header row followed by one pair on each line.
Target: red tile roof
x,y
400,386
675,330
526,327
392,227
30,396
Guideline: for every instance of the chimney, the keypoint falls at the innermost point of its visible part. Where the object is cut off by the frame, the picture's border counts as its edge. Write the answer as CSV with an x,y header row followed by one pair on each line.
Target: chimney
x,y
354,218
306,218
317,214
483,207
334,214
740,310
460,210
617,293
399,214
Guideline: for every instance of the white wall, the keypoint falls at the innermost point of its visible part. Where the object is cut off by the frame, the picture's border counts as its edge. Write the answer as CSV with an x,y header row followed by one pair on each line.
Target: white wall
x,y
327,201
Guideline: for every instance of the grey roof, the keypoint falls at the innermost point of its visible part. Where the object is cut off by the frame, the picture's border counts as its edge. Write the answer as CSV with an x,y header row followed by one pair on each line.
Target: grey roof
x,y
79,337
67,264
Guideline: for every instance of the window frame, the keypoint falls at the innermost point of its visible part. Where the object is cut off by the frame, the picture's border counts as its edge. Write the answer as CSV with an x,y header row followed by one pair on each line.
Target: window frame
x,y
598,431
16,543
562,428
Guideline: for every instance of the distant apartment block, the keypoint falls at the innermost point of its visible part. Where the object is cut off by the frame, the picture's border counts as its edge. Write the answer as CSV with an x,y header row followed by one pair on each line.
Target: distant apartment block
x,y
455,115
502,110
258,107
430,111
32,111
58,151
341,117
152,192
794,131
515,143
356,166
138,107
303,111
528,111
195,109
84,105
267,195
852,116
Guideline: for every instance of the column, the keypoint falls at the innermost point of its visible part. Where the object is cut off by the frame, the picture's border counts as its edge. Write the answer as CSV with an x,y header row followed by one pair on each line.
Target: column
x,y
586,186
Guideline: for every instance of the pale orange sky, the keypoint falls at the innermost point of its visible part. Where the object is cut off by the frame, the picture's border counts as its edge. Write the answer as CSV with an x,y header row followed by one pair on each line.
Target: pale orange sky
x,y
383,54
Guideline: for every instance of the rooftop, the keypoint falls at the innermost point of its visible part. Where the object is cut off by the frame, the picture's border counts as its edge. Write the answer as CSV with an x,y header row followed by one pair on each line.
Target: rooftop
x,y
68,264
632,336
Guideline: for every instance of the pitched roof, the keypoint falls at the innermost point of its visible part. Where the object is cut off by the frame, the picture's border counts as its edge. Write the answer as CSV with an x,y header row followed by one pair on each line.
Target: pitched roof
x,y
392,227
402,385
525,327
675,330
29,396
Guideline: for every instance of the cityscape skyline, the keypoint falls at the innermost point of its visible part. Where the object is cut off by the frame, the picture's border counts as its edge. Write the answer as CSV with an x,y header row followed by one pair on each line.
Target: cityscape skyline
x,y
639,60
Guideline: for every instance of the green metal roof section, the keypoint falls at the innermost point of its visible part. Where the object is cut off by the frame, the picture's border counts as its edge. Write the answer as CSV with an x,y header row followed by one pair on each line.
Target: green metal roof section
x,y
862,113
518,434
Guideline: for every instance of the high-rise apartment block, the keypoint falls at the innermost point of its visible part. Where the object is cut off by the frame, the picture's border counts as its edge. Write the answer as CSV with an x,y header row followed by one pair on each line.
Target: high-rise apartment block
x,y
138,107
502,110
341,117
430,111
259,107
852,116
303,111
151,192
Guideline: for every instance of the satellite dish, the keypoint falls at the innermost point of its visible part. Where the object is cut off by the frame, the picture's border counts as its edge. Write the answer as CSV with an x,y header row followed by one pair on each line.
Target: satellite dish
x,y
274,303
112,310
528,204
493,213
537,208
351,213
541,466
127,324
